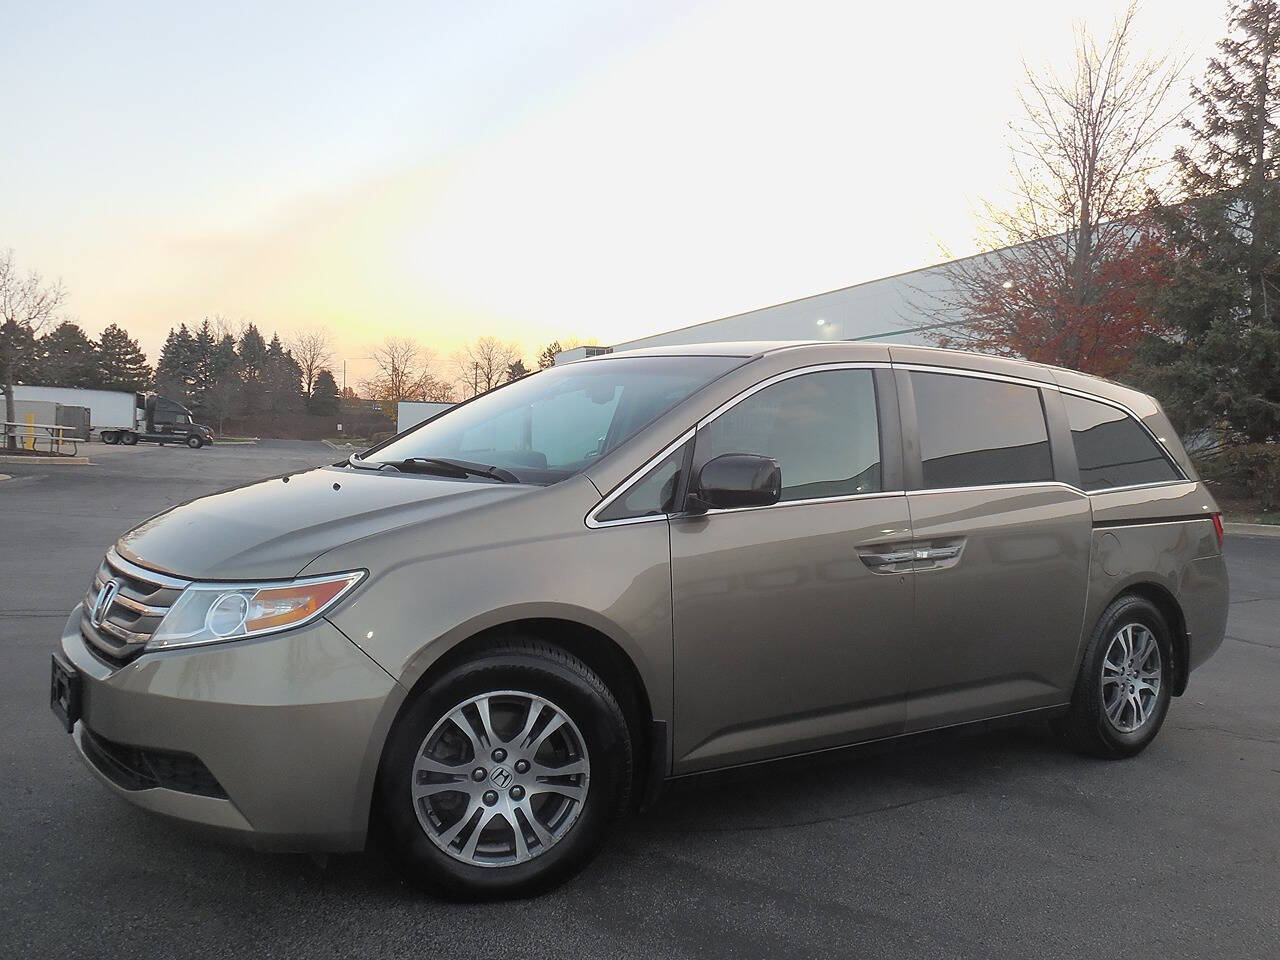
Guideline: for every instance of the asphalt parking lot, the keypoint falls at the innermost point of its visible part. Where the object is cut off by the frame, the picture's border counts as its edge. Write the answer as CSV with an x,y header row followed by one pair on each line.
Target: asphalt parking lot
x,y
995,844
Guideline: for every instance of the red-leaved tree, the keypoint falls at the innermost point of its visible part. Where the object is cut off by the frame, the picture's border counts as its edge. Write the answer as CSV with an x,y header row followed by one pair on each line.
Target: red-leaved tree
x,y
1071,266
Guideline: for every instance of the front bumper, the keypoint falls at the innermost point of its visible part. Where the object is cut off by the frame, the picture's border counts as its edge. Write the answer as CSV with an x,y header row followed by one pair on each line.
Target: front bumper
x,y
290,726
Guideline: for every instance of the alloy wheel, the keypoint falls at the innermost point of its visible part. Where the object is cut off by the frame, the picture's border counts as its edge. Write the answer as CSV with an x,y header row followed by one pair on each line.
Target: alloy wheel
x,y
500,778
1131,676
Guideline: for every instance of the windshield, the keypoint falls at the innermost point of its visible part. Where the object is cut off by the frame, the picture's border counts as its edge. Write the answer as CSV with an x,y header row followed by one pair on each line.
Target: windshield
x,y
550,425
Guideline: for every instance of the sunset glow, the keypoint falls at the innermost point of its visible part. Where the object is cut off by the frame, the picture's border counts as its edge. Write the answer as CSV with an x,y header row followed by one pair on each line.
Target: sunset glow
x,y
527,171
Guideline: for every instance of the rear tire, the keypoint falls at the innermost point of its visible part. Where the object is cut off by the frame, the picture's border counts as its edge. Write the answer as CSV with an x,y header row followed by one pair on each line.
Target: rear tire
x,y
1122,692
128,439
431,817
109,436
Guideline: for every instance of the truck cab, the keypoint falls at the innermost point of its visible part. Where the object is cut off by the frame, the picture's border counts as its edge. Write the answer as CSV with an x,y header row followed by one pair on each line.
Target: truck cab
x,y
162,421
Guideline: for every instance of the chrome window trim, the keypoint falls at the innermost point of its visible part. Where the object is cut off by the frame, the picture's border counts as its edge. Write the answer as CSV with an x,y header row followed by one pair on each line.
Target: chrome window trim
x,y
1072,391
1138,486
810,501
979,374
1141,423
1048,483
631,481
983,487
733,401
593,523
787,375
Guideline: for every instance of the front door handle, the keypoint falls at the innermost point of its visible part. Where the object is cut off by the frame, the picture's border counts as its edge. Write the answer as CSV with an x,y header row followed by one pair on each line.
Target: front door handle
x,y
937,553
886,559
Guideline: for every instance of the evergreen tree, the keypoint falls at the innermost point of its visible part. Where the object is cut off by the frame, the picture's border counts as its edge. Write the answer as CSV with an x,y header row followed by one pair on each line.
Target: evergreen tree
x,y
202,366
324,395
547,358
252,353
516,370
225,381
1219,365
120,361
175,372
65,357
282,377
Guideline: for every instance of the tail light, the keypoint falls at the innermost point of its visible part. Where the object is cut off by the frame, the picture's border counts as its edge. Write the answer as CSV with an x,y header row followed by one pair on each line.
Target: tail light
x,y
1217,528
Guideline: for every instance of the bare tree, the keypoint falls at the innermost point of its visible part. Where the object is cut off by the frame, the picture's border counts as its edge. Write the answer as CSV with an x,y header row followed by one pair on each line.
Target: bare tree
x,y
401,363
313,349
1068,264
27,305
433,389
483,364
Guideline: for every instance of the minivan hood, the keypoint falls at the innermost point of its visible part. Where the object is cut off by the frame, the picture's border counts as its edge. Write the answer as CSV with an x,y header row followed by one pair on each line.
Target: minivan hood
x,y
273,528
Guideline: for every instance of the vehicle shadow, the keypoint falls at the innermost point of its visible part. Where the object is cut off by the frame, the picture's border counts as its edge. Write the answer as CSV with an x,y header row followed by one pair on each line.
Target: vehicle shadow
x,y
827,787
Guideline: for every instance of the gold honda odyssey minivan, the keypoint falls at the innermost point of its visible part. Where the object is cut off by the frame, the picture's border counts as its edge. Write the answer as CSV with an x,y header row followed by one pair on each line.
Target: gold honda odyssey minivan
x,y
485,639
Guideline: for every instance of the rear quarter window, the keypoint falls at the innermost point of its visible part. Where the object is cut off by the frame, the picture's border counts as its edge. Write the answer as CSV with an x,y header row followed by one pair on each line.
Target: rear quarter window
x,y
1112,448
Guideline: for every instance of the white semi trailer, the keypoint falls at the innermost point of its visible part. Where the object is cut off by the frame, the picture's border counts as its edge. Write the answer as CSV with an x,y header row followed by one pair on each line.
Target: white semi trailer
x,y
120,416
107,408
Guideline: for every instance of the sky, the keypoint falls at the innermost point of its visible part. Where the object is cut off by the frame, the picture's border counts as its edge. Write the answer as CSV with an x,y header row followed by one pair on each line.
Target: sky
x,y
531,171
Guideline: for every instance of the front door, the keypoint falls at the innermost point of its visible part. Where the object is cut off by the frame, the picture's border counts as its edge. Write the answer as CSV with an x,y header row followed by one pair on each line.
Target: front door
x,y
792,622
1002,553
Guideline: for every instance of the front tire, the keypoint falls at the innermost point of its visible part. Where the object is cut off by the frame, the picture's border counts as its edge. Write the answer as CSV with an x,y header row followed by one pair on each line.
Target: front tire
x,y
503,776
1122,692
195,443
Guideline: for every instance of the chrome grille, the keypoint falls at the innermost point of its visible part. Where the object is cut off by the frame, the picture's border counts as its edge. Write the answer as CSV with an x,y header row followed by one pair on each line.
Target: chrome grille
x,y
141,600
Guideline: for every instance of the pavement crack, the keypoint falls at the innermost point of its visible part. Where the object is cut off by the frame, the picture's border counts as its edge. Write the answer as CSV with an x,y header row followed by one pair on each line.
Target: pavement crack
x,y
1253,643
852,815
1209,728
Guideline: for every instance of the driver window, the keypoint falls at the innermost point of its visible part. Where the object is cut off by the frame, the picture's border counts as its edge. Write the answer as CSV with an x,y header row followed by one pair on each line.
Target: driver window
x,y
820,427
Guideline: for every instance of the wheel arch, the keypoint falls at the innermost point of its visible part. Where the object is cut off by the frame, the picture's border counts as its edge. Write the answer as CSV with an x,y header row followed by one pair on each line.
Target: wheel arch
x,y
1163,600
599,651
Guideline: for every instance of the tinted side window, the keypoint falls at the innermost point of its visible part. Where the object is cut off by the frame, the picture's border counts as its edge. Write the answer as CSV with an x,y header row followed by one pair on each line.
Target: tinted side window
x,y
975,432
650,496
1113,450
821,428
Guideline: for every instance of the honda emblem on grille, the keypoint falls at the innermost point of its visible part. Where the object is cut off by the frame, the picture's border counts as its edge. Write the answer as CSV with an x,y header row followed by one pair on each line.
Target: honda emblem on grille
x,y
101,604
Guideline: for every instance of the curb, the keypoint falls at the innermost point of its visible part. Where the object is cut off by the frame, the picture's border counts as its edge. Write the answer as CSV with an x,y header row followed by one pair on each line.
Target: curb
x,y
81,461
1254,529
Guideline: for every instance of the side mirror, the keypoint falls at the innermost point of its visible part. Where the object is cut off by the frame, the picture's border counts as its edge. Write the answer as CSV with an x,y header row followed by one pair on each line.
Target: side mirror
x,y
736,480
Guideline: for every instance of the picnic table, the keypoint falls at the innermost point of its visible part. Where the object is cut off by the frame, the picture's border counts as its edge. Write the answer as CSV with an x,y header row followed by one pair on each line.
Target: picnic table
x,y
54,434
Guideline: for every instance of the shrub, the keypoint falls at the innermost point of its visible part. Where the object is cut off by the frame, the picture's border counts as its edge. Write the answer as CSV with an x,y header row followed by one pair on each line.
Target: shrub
x,y
377,438
1251,470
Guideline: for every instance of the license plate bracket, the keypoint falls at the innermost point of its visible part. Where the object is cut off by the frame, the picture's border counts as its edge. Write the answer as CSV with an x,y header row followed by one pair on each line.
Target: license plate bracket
x,y
64,692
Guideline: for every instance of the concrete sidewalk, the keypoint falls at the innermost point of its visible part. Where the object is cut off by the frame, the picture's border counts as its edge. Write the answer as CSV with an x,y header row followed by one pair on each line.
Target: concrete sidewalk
x,y
1253,529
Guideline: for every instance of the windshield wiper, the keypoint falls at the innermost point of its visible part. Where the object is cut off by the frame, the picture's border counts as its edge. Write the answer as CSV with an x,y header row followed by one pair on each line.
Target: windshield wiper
x,y
466,468
441,466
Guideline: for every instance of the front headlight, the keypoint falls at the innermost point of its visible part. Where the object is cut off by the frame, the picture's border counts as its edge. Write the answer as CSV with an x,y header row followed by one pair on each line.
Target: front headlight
x,y
213,612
